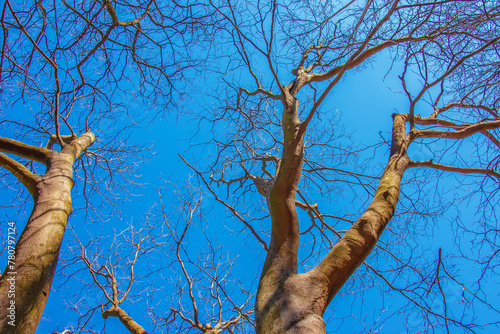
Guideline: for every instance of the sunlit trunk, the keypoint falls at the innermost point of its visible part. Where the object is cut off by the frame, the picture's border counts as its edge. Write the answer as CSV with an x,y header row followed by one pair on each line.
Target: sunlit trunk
x,y
27,279
132,326
294,304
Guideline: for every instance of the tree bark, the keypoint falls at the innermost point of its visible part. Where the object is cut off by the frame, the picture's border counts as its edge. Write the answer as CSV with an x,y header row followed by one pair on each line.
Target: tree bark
x,y
126,320
27,279
294,303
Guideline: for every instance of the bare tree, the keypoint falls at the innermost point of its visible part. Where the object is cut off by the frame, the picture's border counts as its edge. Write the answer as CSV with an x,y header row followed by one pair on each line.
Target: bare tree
x,y
207,298
69,71
29,272
111,271
282,148
137,268
286,59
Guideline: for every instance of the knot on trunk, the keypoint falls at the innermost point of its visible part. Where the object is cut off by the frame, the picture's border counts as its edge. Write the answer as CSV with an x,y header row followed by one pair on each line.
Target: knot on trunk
x,y
263,185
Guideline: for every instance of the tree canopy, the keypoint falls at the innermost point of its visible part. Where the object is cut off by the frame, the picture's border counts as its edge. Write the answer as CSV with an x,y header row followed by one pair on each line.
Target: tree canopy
x,y
390,208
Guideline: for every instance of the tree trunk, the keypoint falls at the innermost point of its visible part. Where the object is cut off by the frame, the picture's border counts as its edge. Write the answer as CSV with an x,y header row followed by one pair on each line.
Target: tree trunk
x,y
27,279
291,303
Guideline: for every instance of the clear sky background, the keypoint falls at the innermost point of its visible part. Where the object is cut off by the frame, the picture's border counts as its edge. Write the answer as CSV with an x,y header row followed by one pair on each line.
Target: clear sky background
x,y
365,101
363,93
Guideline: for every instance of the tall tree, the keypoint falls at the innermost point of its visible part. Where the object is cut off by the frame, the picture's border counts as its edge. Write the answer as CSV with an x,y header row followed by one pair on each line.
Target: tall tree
x,y
281,153
69,70
286,60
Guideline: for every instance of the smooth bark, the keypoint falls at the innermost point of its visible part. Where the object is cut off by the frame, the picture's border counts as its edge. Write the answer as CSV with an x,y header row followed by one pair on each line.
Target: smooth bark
x,y
28,277
293,303
132,326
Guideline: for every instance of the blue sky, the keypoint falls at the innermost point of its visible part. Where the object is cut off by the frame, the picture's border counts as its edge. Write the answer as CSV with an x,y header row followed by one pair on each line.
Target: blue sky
x,y
172,135
364,101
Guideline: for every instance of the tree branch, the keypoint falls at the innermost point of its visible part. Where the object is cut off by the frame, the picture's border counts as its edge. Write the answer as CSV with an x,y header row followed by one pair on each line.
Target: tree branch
x,y
39,154
360,239
261,91
127,321
252,230
463,170
460,134
22,173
